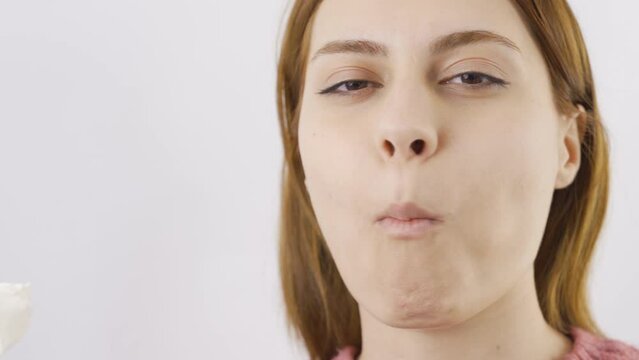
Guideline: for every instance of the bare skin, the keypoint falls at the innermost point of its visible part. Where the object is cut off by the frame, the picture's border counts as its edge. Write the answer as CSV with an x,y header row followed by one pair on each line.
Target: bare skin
x,y
490,160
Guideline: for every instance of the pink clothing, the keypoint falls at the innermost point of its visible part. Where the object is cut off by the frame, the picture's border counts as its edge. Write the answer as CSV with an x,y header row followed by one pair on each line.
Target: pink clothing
x,y
586,346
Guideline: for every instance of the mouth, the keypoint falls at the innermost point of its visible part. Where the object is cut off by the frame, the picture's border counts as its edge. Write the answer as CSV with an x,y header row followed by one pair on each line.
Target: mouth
x,y
407,220
407,229
406,212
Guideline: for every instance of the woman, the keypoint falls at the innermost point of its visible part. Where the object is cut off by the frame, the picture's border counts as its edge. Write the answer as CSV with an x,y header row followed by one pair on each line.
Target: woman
x,y
445,180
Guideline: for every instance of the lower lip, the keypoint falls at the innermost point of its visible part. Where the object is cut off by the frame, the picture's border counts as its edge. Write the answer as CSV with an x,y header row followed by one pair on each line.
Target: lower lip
x,y
407,229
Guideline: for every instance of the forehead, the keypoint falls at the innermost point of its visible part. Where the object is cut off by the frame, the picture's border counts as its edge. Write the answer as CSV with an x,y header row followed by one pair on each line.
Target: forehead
x,y
413,24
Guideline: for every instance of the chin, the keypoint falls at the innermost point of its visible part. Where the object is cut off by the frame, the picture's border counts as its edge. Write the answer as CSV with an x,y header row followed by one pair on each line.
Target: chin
x,y
413,312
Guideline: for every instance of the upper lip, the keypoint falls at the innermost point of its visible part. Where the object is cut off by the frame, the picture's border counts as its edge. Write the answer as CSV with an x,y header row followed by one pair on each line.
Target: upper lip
x,y
407,211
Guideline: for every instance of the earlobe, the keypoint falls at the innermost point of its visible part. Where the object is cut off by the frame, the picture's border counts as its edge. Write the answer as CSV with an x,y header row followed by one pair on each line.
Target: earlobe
x,y
569,148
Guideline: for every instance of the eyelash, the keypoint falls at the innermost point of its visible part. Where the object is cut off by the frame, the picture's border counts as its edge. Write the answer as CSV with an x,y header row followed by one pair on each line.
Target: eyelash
x,y
493,81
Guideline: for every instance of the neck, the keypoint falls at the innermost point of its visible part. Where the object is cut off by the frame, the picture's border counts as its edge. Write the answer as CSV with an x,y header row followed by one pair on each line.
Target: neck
x,y
513,327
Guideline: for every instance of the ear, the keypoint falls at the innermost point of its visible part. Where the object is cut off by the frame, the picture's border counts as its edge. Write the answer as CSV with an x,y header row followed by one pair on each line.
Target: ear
x,y
569,148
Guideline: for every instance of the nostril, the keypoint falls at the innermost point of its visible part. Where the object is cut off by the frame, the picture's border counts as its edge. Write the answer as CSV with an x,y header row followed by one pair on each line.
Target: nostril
x,y
417,146
389,147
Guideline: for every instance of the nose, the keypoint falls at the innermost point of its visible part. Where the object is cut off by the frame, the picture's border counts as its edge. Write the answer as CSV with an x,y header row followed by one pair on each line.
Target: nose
x,y
407,120
407,141
416,147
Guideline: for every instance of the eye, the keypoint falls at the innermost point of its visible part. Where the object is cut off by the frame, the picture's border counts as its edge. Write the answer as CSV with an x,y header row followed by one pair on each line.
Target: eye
x,y
475,79
472,79
351,87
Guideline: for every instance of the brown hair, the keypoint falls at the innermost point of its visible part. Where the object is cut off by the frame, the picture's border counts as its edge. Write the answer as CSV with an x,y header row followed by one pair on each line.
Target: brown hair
x,y
318,305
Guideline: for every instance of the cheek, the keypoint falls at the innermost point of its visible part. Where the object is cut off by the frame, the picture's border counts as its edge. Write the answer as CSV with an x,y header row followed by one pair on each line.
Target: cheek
x,y
507,185
327,167
335,180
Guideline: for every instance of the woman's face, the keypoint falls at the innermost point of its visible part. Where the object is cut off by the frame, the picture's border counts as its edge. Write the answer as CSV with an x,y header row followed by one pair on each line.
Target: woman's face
x,y
492,155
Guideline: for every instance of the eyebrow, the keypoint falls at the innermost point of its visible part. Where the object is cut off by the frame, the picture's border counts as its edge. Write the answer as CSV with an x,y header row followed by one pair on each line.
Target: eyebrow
x,y
439,45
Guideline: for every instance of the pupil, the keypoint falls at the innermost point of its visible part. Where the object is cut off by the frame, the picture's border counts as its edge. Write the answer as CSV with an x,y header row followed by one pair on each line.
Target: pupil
x,y
471,77
353,85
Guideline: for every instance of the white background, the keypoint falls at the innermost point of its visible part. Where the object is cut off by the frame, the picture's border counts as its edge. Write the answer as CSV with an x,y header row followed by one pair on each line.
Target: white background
x,y
140,164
